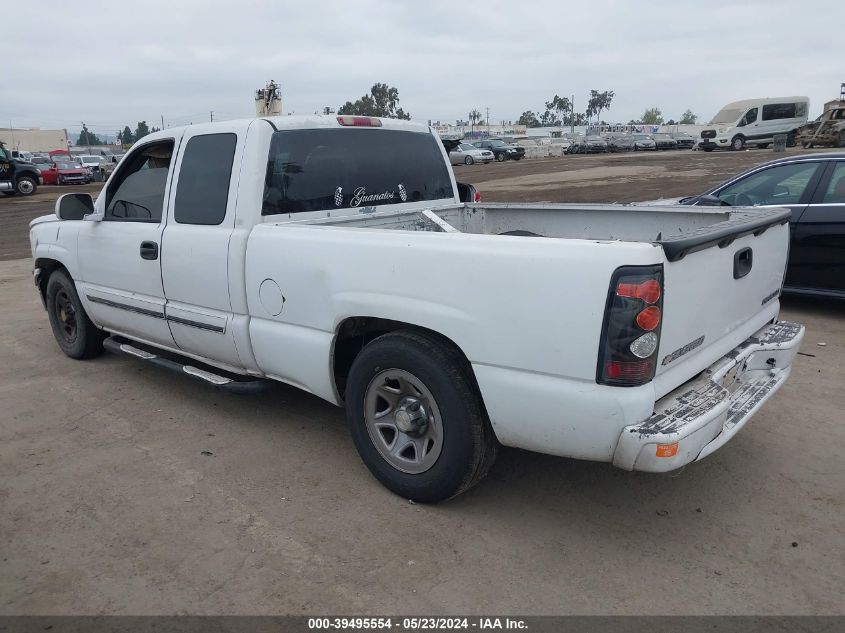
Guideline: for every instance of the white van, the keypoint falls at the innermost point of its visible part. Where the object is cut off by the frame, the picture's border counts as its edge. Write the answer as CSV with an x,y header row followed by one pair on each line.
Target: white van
x,y
754,122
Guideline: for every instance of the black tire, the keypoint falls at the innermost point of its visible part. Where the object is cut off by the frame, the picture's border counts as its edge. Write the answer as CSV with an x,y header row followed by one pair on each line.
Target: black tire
x,y
26,186
59,180
501,157
468,160
707,149
469,446
737,143
76,335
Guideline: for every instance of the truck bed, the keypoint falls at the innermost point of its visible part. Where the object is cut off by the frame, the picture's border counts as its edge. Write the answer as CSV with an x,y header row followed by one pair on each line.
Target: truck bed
x,y
679,230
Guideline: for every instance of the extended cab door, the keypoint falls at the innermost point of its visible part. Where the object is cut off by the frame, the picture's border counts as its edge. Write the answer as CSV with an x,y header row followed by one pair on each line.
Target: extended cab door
x,y
817,256
119,257
195,258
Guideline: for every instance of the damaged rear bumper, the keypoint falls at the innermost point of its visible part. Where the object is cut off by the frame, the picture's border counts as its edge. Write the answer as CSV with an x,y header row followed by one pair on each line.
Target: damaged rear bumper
x,y
701,415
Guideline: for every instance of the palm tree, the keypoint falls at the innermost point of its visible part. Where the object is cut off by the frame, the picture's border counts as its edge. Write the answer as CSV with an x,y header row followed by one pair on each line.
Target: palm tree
x,y
474,116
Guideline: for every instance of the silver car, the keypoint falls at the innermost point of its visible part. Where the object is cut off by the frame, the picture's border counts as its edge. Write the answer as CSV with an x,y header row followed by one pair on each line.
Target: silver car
x,y
644,142
466,154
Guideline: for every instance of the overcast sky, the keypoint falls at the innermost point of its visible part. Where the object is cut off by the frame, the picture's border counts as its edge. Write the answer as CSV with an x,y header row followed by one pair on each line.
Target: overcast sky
x,y
181,59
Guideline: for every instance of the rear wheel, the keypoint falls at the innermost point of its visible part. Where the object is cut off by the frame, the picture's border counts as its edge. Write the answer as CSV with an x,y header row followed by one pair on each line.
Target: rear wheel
x,y
416,417
468,160
76,335
501,157
737,143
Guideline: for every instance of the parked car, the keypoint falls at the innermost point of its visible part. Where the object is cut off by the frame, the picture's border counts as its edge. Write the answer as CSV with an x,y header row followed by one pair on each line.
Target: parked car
x,y
664,141
684,140
501,150
812,187
620,143
17,177
587,145
466,154
644,142
64,171
98,165
235,257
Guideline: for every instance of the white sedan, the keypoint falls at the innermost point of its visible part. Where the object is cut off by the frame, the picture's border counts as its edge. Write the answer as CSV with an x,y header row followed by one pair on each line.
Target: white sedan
x,y
466,154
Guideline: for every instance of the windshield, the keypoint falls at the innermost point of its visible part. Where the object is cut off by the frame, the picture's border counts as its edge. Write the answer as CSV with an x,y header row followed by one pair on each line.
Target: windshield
x,y
90,159
498,144
466,147
66,165
661,136
728,115
317,170
642,137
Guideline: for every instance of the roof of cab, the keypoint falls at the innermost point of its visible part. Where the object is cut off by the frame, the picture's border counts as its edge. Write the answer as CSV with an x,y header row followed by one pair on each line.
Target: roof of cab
x,y
300,122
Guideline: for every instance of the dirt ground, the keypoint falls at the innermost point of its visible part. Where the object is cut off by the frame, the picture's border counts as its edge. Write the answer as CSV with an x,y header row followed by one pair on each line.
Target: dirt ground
x,y
125,489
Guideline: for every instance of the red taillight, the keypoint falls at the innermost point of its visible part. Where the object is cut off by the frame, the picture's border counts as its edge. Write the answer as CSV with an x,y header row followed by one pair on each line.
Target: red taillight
x,y
359,121
630,334
629,371
477,196
648,291
649,318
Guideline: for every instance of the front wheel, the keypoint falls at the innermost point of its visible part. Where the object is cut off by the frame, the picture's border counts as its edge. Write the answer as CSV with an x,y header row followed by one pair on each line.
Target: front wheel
x,y
738,143
468,160
417,419
26,186
501,157
76,335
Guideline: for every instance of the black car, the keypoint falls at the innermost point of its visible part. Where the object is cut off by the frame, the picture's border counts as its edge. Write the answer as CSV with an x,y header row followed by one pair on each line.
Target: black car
x,y
623,143
685,141
501,150
813,188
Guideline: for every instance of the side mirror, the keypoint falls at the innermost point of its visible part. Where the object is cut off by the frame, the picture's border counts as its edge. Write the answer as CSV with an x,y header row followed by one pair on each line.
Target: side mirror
x,y
74,206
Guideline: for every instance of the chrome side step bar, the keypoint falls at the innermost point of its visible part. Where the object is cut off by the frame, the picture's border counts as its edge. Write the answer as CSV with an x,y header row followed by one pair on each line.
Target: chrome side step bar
x,y
212,376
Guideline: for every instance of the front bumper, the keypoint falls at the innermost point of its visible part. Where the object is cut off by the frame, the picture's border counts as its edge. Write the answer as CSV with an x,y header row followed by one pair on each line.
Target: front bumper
x,y
715,143
701,415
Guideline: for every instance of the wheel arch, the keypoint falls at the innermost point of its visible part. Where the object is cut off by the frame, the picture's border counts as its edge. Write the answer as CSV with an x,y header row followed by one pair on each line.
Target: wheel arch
x,y
44,267
353,333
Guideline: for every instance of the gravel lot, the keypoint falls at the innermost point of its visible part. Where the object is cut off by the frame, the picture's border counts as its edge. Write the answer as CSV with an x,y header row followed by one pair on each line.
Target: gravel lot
x,y
111,506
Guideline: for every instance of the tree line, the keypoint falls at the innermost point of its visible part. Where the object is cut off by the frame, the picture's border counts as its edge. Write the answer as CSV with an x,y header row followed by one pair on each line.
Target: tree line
x,y
125,137
560,111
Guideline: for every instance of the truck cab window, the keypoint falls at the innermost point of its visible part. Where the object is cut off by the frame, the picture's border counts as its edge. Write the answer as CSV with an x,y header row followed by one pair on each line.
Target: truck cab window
x,y
136,194
202,192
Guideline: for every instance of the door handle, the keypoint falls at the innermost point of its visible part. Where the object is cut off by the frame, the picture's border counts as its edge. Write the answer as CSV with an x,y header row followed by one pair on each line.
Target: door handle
x,y
743,260
149,250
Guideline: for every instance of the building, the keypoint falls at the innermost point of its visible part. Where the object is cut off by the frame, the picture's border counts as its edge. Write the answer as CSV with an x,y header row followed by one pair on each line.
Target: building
x,y
33,139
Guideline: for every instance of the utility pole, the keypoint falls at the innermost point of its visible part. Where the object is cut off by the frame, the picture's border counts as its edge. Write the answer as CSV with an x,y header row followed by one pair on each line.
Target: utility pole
x,y
211,114
572,115
162,121
488,121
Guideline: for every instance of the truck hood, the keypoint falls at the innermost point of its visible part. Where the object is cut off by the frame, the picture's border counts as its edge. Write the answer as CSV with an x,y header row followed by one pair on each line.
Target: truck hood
x,y
43,220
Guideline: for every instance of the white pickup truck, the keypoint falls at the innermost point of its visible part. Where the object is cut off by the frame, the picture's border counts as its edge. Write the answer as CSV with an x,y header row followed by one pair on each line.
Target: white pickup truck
x,y
335,254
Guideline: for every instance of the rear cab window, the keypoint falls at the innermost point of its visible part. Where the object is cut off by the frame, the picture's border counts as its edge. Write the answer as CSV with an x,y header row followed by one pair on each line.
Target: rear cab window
x,y
326,169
